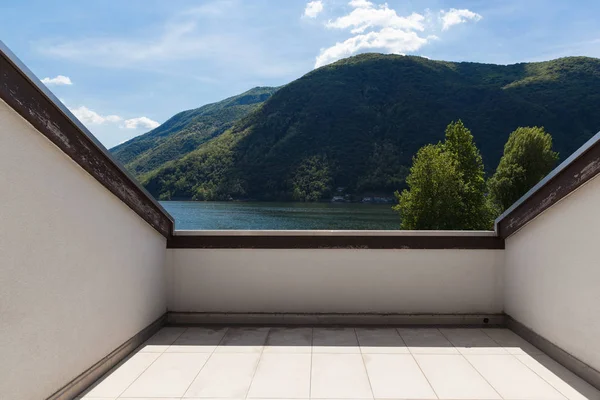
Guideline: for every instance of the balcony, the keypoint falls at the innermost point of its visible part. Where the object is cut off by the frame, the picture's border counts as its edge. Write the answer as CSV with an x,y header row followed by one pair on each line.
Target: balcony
x,y
102,299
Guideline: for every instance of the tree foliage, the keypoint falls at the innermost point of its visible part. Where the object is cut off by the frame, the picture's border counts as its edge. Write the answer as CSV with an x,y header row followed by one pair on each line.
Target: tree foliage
x,y
528,157
446,186
312,180
433,200
475,209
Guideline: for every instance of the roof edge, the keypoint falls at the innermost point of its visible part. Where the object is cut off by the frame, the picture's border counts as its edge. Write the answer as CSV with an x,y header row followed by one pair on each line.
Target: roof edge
x,y
29,97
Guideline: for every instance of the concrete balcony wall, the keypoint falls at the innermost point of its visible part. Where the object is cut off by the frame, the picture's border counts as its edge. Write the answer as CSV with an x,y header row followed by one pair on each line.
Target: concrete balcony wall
x,y
335,281
552,277
80,272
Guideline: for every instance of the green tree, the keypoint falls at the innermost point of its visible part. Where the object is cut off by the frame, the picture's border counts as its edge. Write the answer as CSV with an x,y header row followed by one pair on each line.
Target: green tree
x,y
475,208
312,180
528,157
446,186
434,198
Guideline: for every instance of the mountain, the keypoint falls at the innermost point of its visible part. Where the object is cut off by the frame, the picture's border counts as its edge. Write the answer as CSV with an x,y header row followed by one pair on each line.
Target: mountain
x,y
357,123
186,131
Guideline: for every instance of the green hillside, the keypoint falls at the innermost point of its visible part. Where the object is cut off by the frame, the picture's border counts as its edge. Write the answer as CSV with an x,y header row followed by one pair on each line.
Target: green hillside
x,y
186,131
358,122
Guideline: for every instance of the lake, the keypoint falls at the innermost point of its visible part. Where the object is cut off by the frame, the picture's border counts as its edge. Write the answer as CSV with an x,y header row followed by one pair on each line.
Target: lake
x,y
268,215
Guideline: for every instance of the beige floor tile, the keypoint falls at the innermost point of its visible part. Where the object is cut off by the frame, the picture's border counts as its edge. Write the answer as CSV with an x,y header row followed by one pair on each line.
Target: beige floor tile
x,y
197,340
147,398
380,341
225,375
169,376
162,340
282,376
243,340
426,341
396,376
339,376
472,341
335,340
512,379
115,383
453,377
289,340
511,342
567,383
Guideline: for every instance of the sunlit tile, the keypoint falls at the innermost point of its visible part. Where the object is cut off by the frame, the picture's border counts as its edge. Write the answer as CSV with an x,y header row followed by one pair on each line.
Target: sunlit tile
x,y
169,376
397,376
339,376
225,375
452,377
115,383
512,379
282,376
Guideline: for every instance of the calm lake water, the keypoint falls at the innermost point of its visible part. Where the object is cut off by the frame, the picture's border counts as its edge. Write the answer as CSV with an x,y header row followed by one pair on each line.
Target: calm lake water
x,y
266,215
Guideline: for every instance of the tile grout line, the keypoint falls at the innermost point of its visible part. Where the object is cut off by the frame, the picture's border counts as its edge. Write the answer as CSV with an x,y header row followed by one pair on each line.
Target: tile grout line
x,y
518,359
542,378
418,365
364,363
495,341
206,362
160,355
472,366
258,363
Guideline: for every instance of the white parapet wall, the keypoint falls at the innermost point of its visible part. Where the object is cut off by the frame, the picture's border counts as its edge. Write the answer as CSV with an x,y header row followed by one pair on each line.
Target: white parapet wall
x,y
80,272
335,281
552,280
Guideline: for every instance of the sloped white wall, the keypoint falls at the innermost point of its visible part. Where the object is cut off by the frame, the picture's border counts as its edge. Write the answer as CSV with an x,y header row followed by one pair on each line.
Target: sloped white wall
x,y
80,272
552,275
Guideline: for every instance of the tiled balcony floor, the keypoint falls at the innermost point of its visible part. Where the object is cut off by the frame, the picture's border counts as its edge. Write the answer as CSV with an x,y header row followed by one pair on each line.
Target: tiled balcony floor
x,y
339,363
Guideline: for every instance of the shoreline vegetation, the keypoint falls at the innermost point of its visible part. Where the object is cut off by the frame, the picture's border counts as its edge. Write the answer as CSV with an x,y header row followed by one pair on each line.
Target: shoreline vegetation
x,y
358,124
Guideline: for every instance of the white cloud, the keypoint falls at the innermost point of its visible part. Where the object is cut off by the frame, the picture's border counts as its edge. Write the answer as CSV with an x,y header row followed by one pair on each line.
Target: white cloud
x,y
366,16
58,80
141,122
374,28
455,17
313,8
88,116
379,28
360,4
392,40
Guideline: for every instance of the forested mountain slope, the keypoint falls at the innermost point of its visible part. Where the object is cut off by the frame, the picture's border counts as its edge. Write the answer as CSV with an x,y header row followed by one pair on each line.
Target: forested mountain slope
x,y
358,122
186,131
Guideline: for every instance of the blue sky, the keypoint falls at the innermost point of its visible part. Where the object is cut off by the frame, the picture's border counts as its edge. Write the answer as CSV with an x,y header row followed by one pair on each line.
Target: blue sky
x,y
125,66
